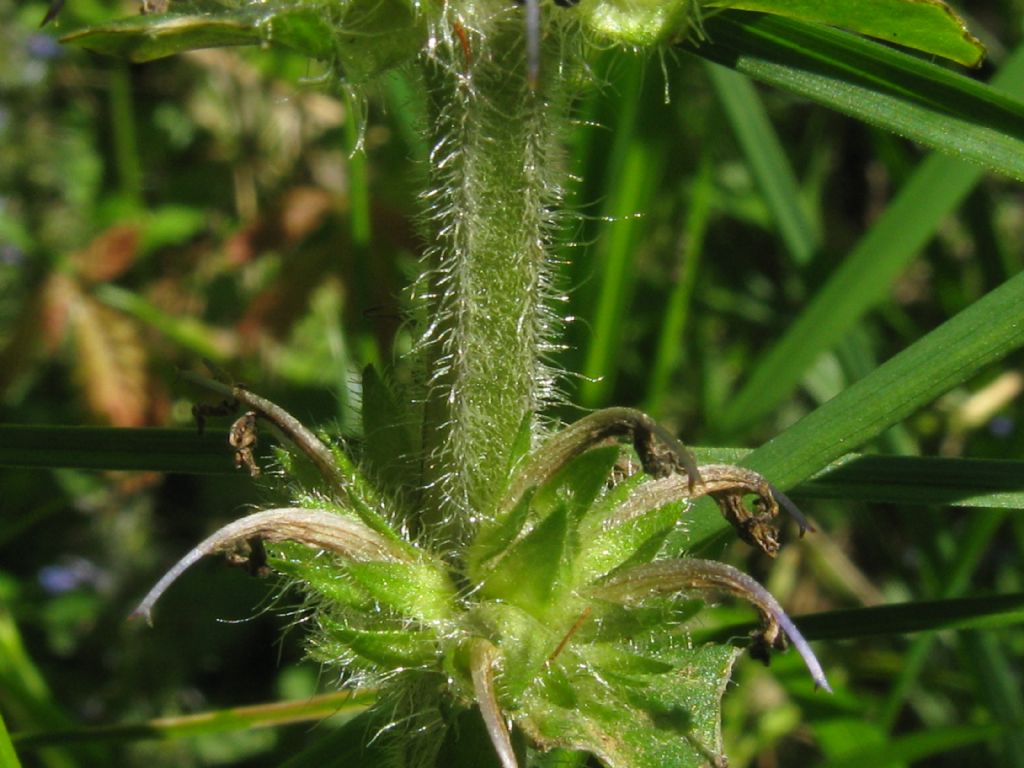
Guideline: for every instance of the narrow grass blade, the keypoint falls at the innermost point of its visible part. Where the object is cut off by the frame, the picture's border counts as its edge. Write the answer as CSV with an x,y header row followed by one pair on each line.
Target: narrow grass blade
x,y
908,480
864,278
632,190
998,687
917,746
973,483
8,758
981,334
105,448
956,573
672,335
187,332
992,612
767,161
316,708
874,83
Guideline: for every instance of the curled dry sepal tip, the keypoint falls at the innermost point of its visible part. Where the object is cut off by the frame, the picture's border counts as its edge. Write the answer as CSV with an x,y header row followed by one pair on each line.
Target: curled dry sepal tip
x,y
560,614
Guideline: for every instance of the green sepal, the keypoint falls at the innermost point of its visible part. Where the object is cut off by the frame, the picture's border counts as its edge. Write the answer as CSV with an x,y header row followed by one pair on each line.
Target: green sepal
x,y
613,547
522,444
420,591
929,26
492,540
389,448
366,501
578,483
535,570
525,643
320,576
389,649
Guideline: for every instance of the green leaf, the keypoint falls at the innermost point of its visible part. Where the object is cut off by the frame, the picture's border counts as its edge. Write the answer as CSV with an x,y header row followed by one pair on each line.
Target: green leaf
x,y
767,161
874,83
494,539
319,576
162,450
146,38
671,720
982,334
911,480
924,25
906,480
611,547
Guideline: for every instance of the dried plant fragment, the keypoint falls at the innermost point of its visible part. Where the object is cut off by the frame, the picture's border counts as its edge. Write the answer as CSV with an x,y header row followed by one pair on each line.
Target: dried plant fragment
x,y
243,438
671,576
482,657
661,453
727,485
313,527
292,429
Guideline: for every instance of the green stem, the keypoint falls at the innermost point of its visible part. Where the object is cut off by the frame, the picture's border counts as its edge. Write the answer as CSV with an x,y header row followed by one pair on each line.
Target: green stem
x,y
495,183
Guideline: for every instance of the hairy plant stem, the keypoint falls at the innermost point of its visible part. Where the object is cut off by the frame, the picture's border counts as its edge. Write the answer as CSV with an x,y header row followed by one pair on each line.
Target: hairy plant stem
x,y
494,189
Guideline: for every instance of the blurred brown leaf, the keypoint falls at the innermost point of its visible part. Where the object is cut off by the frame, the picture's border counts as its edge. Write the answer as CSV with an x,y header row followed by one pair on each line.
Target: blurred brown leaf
x,y
109,255
110,363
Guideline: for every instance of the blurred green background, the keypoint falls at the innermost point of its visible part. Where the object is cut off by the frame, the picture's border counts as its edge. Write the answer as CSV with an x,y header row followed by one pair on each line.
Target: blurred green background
x,y
228,205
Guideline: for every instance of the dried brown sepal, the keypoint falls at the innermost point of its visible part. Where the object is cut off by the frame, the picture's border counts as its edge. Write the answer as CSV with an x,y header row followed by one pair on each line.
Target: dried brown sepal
x,y
202,411
728,485
250,555
482,657
291,428
667,577
661,453
243,437
315,528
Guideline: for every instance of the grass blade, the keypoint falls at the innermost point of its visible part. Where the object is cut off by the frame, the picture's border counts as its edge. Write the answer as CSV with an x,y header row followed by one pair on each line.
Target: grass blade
x,y
871,82
107,448
767,161
270,715
989,612
908,480
974,483
8,758
672,334
919,745
864,278
981,334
